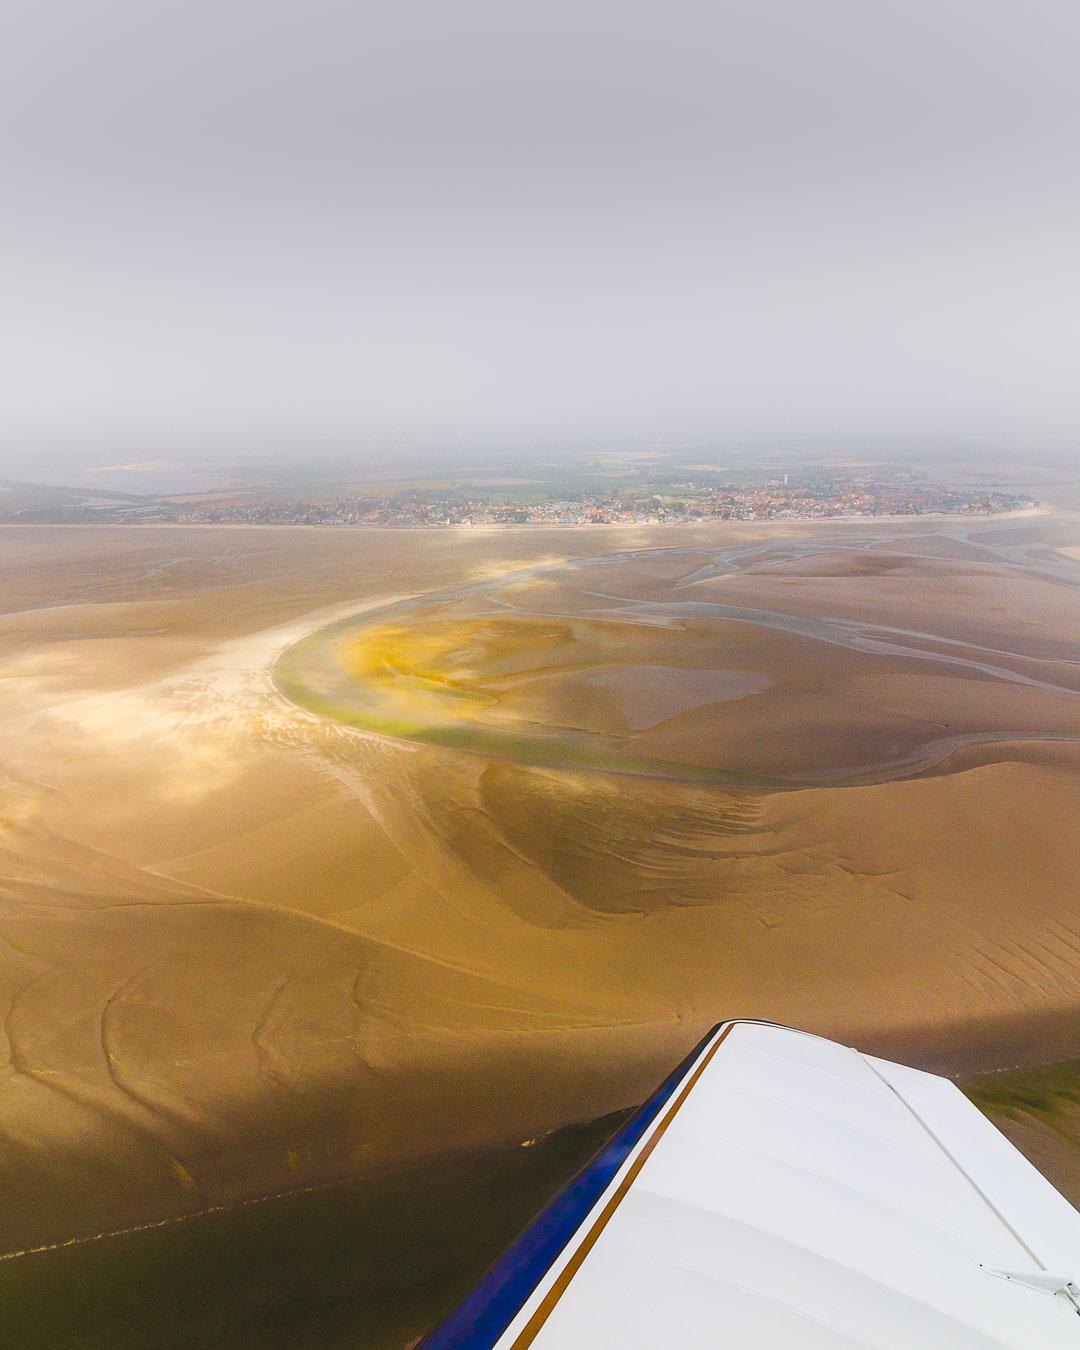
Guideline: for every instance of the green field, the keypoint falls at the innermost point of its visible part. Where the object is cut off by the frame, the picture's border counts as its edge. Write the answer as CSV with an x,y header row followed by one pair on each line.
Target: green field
x,y
1039,1110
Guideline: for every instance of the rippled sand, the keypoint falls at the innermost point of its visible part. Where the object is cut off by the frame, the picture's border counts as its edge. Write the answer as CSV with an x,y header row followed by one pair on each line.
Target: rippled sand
x,y
249,948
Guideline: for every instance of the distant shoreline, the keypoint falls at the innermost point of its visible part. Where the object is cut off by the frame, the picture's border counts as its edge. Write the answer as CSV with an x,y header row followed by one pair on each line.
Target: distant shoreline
x,y
529,527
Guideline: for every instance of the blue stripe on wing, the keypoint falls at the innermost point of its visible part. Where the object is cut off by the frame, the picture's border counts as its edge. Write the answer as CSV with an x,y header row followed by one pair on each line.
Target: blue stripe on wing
x,y
484,1314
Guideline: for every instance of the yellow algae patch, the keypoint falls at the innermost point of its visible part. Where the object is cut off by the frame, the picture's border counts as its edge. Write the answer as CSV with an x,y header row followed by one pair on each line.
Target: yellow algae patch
x,y
183,1175
420,671
643,665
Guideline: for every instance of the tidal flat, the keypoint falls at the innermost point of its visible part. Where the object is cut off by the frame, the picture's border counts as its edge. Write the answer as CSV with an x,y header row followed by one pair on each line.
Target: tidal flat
x,y
654,683
253,947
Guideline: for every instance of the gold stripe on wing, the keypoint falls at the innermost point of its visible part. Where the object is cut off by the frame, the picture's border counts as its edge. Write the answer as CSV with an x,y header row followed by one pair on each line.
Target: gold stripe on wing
x,y
532,1328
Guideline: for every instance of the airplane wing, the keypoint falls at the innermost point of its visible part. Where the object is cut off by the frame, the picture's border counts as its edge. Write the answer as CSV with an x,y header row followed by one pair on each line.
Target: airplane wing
x,y
783,1192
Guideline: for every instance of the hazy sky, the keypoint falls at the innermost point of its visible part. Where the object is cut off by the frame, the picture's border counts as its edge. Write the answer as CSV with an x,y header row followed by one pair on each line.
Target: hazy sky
x,y
315,227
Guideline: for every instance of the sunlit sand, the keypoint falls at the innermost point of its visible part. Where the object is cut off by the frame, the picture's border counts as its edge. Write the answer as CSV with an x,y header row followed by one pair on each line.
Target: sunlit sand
x,y
559,804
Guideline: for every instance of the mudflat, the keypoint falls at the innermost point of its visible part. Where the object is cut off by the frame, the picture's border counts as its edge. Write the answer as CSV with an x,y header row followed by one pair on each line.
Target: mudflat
x,y
646,663
329,856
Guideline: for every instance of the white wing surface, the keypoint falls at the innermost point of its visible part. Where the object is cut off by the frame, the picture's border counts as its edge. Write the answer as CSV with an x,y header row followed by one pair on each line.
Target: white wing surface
x,y
782,1192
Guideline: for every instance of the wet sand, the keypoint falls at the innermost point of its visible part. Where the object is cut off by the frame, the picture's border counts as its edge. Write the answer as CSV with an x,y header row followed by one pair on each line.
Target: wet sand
x,y
555,666
249,948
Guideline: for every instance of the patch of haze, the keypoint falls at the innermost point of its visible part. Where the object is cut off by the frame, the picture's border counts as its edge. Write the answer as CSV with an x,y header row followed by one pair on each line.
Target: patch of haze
x,y
317,229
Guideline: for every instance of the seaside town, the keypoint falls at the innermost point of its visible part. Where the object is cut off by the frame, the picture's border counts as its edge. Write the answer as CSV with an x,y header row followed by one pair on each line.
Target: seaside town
x,y
670,504
659,498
